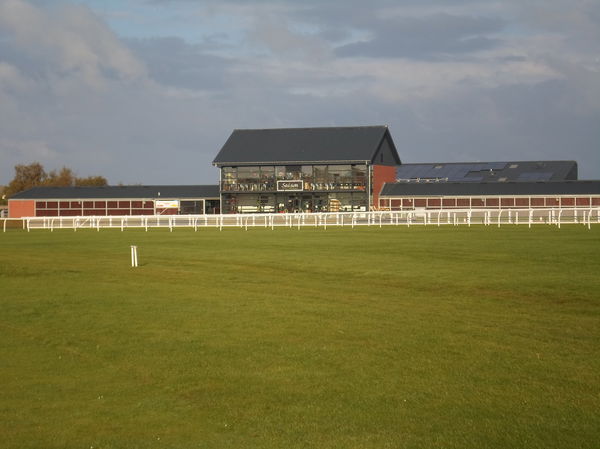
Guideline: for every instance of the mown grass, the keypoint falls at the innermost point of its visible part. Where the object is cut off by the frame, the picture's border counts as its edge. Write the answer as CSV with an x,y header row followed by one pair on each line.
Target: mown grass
x,y
368,338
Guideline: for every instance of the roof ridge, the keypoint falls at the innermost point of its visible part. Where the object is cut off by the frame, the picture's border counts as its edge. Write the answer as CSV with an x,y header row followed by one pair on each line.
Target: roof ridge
x,y
490,162
311,127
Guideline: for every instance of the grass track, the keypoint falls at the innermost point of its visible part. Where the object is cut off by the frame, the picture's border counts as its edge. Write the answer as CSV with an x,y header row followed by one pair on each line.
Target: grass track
x,y
367,338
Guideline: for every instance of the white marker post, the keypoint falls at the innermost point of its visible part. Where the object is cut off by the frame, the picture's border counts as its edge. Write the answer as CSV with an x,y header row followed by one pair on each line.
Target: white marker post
x,y
134,257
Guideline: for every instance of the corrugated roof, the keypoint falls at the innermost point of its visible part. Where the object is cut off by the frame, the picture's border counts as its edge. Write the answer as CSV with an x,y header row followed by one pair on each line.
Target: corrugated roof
x,y
489,171
303,145
145,192
400,189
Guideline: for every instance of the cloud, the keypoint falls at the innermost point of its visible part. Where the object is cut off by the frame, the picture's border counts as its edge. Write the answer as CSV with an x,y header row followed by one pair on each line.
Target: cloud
x,y
28,149
173,62
460,80
69,40
427,37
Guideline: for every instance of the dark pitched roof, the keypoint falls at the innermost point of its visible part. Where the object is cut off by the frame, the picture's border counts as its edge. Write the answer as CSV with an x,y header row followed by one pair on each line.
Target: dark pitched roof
x,y
304,145
489,171
399,189
106,192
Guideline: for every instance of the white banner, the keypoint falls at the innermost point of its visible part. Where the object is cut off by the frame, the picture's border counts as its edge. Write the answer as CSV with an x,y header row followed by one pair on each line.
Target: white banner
x,y
167,204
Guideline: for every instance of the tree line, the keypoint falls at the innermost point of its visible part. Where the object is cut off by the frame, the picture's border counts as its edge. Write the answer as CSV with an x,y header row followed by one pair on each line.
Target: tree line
x,y
34,175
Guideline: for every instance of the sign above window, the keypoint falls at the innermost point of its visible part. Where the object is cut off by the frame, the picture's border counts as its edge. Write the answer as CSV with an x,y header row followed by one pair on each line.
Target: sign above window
x,y
290,186
169,204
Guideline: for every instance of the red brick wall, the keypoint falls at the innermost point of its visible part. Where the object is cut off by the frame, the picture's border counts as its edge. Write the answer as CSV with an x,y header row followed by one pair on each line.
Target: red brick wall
x,y
381,175
21,208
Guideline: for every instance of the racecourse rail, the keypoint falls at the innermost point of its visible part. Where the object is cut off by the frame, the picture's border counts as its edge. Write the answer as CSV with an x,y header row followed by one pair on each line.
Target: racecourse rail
x,y
439,217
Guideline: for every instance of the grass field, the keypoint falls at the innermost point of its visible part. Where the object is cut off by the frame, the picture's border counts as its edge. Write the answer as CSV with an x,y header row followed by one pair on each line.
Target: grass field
x,y
452,337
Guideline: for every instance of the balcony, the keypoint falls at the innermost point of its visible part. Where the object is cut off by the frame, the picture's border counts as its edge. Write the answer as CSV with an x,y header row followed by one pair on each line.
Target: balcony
x,y
271,186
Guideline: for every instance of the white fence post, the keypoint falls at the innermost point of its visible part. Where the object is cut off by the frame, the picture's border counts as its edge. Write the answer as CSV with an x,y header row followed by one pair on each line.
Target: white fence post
x,y
134,256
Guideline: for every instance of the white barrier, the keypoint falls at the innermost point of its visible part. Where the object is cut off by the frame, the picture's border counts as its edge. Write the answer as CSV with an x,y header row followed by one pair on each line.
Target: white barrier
x,y
424,217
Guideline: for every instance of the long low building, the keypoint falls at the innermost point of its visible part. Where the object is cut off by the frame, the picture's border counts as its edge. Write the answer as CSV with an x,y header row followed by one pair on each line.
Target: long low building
x,y
114,200
470,195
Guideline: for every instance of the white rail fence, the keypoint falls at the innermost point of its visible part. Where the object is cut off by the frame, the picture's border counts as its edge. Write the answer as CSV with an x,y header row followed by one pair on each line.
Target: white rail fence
x,y
452,217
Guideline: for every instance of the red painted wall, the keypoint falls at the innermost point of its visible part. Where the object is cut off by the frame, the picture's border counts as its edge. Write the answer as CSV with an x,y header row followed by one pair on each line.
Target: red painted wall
x,y
21,208
381,175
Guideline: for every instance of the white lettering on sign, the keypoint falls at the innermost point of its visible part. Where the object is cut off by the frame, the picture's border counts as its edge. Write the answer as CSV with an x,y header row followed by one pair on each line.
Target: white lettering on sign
x,y
290,186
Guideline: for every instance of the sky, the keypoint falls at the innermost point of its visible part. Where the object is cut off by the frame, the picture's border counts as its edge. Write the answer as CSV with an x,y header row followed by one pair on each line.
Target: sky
x,y
147,91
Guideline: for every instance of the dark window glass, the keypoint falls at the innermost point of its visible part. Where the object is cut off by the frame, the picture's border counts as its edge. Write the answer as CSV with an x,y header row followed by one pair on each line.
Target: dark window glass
x,y
320,174
293,172
280,172
307,173
248,174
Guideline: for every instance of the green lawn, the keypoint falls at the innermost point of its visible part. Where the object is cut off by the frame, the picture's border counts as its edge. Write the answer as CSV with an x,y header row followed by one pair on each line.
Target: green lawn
x,y
449,337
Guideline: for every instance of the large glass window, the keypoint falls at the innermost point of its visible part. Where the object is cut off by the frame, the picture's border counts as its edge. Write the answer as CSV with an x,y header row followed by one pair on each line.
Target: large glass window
x,y
229,178
307,173
320,175
267,178
248,178
340,177
229,174
293,172
248,174
229,204
315,177
266,203
359,202
280,172
359,177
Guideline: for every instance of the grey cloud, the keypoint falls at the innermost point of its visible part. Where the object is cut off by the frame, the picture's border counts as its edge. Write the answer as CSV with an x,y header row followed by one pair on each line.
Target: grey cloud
x,y
165,124
427,37
173,62
68,40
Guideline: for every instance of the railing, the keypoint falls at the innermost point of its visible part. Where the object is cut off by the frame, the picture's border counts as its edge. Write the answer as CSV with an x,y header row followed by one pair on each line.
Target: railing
x,y
271,186
454,217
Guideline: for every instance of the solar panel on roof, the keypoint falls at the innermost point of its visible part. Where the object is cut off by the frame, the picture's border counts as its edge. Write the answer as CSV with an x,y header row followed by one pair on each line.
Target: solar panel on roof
x,y
535,176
